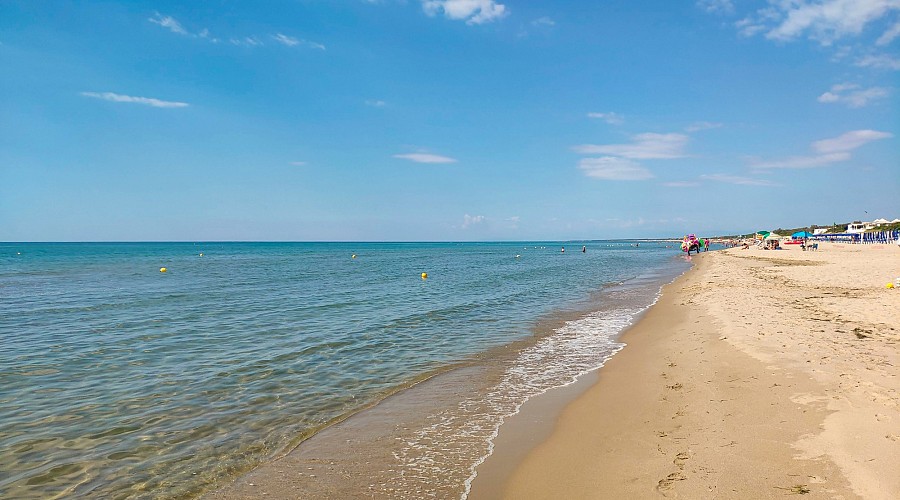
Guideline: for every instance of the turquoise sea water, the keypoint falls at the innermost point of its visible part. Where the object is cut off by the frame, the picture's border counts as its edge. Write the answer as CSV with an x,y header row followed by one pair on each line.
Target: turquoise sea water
x,y
119,381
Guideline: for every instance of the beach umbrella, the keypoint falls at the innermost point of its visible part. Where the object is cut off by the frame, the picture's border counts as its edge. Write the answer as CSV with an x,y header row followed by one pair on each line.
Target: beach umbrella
x,y
801,234
773,236
763,233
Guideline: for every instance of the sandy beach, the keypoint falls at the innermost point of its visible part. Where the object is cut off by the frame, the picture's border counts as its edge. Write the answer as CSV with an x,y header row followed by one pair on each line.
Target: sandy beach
x,y
758,374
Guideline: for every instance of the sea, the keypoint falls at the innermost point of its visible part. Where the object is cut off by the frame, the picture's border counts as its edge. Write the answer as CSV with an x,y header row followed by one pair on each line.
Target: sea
x,y
118,380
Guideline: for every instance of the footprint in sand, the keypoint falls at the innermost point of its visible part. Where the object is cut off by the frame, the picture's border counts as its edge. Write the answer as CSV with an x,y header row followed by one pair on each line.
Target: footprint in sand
x,y
667,483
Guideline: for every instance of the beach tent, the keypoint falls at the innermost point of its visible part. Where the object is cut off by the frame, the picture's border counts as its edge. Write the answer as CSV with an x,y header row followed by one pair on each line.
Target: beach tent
x,y
773,236
801,234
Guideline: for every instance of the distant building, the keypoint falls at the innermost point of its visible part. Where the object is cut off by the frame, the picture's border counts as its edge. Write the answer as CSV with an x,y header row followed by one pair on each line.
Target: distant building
x,y
861,227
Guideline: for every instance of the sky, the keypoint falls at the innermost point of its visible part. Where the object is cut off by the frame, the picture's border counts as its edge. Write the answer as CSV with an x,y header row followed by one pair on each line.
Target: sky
x,y
444,120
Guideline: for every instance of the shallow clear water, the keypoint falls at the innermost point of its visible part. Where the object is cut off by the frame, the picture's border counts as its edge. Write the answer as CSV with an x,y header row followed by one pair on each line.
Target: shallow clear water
x,y
117,380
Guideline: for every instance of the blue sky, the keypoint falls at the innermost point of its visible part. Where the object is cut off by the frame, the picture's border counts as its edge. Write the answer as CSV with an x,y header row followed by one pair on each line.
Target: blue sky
x,y
444,119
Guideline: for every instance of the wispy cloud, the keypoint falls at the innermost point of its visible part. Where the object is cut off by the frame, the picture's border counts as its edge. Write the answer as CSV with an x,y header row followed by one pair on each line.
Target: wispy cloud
x,y
737,179
802,161
716,6
827,151
470,220
148,101
175,26
878,61
286,40
610,118
849,141
472,11
543,21
425,158
889,35
644,146
247,41
169,23
852,95
614,169
681,184
824,21
376,103
291,41
698,126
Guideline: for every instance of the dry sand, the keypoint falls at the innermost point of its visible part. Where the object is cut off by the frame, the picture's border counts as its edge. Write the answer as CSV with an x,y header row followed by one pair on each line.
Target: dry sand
x,y
758,374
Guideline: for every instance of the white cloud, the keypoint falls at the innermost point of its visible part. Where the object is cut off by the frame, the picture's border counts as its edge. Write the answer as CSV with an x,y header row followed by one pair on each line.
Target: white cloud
x,y
149,101
849,141
716,6
698,126
425,158
168,22
880,61
610,118
614,169
747,27
376,103
855,98
247,41
828,151
824,21
737,179
543,21
681,184
469,220
174,26
802,161
889,35
286,40
291,41
644,146
473,11
828,20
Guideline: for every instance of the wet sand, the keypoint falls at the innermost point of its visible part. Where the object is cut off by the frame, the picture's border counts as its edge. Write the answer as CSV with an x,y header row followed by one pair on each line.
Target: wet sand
x,y
758,374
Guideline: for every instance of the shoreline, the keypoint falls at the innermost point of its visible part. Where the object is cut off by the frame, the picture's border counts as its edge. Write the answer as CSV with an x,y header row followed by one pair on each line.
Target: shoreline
x,y
379,451
756,374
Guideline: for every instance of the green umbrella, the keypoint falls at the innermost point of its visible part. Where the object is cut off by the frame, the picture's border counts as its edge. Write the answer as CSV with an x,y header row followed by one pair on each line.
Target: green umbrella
x,y
763,233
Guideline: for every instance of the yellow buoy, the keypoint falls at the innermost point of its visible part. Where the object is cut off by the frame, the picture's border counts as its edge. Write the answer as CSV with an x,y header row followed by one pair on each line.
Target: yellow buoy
x,y
424,276
162,269
889,285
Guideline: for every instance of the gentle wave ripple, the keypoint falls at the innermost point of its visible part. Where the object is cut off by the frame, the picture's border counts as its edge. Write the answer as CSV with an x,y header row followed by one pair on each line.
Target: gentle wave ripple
x,y
119,381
